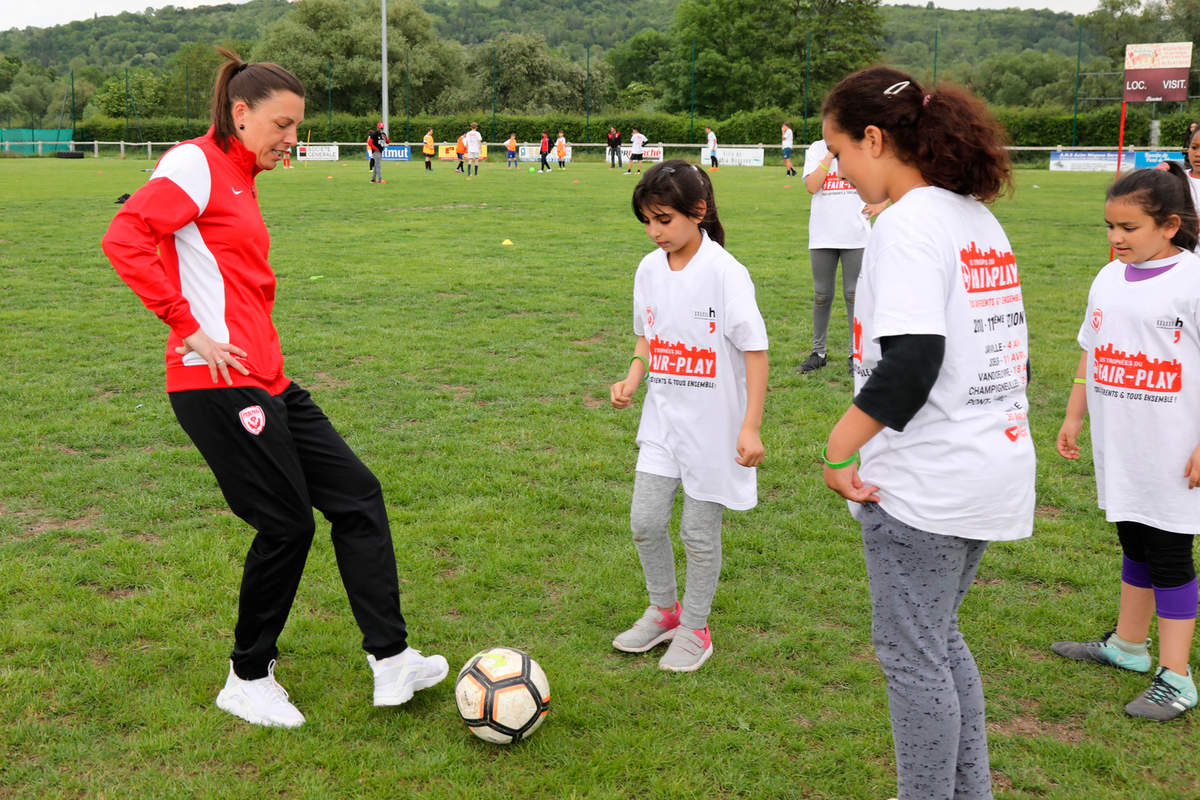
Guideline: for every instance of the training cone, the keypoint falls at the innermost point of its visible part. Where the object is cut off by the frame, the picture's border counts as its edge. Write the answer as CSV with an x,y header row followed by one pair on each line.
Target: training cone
x,y
575,181
506,242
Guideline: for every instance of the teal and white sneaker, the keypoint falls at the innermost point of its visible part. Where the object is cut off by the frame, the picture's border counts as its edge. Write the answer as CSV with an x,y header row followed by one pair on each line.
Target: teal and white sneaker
x,y
1170,694
1110,649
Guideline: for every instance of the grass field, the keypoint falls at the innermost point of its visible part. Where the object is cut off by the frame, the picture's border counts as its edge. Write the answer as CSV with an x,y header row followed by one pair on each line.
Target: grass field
x,y
473,378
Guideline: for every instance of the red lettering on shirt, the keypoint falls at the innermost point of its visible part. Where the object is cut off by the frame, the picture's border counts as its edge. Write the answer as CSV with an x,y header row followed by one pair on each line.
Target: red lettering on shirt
x,y
1113,367
676,358
988,272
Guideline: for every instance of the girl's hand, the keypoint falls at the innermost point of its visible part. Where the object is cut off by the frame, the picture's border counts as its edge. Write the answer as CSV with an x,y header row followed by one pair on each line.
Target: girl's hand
x,y
750,448
621,393
845,481
1068,435
1193,469
869,210
219,355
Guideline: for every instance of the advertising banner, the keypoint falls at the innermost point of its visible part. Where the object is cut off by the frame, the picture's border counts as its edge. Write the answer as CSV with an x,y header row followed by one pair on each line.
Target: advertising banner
x,y
1153,159
1157,72
316,152
734,156
396,152
1085,161
648,153
445,152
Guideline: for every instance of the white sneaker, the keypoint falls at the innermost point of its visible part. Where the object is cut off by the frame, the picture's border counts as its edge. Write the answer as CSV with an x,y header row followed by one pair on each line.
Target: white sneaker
x,y
260,702
398,677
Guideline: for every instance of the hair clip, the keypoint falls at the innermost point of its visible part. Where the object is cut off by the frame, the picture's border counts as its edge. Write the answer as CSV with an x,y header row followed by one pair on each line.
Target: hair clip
x,y
669,170
896,88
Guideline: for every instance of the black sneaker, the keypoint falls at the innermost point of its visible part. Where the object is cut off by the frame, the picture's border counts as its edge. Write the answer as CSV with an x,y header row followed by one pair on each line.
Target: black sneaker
x,y
811,364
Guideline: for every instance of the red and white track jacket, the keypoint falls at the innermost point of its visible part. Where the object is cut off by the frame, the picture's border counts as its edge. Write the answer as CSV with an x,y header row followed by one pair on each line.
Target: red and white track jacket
x,y
193,245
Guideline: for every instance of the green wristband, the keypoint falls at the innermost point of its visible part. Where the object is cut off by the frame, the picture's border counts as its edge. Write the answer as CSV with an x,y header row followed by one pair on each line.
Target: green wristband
x,y
838,465
1081,380
642,359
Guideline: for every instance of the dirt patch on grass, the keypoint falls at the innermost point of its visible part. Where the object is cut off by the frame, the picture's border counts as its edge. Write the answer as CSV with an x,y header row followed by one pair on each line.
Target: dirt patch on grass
x,y
599,337
1027,725
593,401
36,522
459,392
1047,512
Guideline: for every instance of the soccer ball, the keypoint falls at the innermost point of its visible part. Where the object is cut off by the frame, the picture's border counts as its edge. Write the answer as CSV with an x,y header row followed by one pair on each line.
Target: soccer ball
x,y
502,695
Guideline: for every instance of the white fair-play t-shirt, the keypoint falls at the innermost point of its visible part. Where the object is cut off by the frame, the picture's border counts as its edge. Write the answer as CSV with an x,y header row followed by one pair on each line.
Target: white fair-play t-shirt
x,y
635,144
835,220
699,322
1142,339
1194,185
787,138
712,140
939,263
472,139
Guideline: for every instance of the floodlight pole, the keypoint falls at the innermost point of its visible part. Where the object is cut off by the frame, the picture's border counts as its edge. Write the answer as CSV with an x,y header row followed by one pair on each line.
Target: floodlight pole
x,y
692,124
587,120
383,84
1075,113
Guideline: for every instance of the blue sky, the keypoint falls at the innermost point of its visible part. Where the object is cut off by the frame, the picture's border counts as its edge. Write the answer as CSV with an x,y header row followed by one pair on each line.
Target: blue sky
x,y
41,15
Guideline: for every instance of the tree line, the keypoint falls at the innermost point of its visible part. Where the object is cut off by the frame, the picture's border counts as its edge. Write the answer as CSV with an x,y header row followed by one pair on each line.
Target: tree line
x,y
534,57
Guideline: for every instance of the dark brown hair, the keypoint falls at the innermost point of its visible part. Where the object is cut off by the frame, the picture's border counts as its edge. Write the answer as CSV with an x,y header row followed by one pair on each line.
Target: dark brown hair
x,y
1162,193
948,134
250,83
681,186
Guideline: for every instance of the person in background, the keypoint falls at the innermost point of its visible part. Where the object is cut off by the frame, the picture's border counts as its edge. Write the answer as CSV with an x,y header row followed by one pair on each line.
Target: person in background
x,y
376,141
428,149
614,147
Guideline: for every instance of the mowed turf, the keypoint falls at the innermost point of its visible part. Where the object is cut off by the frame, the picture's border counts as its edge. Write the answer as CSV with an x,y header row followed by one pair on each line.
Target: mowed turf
x,y
473,378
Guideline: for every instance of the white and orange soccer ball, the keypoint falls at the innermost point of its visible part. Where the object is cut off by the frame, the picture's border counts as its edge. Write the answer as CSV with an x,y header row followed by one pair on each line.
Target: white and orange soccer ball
x,y
502,695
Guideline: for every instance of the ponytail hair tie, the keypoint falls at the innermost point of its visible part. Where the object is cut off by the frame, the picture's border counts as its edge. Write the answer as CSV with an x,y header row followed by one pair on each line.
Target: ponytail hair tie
x,y
241,67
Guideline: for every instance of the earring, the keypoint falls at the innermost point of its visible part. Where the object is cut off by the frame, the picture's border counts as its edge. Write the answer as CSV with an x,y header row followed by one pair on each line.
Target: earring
x,y
241,127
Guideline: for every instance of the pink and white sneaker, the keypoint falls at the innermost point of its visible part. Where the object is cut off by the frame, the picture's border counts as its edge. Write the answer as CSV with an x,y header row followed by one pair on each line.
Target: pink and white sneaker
x,y
652,629
688,651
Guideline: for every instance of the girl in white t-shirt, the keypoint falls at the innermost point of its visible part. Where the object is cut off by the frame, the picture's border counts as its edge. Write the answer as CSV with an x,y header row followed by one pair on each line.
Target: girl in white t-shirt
x,y
787,138
939,414
837,231
1136,379
702,348
1192,152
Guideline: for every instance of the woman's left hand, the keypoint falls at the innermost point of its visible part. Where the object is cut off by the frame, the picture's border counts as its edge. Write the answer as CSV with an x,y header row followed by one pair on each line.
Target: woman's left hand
x,y
219,355
846,482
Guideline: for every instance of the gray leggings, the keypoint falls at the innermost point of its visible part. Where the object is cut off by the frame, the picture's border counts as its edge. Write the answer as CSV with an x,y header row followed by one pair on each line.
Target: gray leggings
x,y
918,580
377,172
824,270
700,532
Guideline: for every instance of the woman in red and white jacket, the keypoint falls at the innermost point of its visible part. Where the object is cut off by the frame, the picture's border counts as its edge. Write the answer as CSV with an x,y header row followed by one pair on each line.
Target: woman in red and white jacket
x,y
193,245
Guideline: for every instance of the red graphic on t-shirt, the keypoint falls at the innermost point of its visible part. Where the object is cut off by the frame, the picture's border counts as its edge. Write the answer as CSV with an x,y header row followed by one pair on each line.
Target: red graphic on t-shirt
x,y
857,340
835,183
1097,318
988,272
676,358
1113,367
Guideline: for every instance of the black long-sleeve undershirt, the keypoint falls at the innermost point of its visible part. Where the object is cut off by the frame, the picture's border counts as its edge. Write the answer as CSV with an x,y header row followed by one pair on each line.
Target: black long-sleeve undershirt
x,y
900,383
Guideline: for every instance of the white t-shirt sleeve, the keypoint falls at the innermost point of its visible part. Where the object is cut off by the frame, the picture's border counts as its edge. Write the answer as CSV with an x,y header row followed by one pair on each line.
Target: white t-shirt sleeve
x,y
744,326
910,288
812,157
639,322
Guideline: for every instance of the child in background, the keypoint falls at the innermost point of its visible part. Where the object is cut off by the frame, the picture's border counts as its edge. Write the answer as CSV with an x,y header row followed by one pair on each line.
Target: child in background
x,y
544,152
637,141
837,231
560,150
460,150
473,139
942,474
428,149
786,149
712,149
1192,154
1144,307
510,151
702,344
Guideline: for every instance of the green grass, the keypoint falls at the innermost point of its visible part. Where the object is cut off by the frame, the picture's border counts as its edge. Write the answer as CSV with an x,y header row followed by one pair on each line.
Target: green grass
x,y
473,378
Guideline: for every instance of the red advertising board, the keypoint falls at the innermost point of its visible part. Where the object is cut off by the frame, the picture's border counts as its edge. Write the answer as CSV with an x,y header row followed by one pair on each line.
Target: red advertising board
x,y
1157,72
